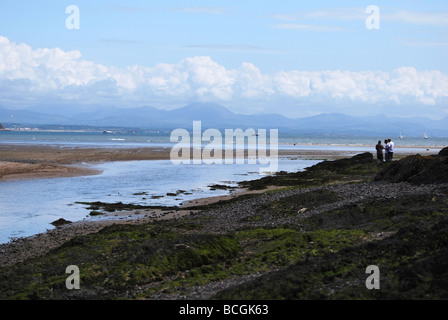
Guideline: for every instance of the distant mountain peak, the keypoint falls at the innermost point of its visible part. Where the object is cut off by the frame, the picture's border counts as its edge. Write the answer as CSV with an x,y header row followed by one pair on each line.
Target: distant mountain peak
x,y
214,115
202,110
206,106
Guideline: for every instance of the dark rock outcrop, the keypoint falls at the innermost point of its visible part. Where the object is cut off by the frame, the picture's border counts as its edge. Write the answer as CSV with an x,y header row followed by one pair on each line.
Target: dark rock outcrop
x,y
417,169
60,222
443,152
345,163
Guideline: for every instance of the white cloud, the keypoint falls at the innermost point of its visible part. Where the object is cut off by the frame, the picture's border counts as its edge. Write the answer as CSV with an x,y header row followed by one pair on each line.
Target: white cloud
x,y
418,18
225,47
355,13
309,27
205,10
423,44
358,13
27,75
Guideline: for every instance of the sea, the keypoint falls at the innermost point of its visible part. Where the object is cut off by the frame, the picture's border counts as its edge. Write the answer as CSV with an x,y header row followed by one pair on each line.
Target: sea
x,y
27,207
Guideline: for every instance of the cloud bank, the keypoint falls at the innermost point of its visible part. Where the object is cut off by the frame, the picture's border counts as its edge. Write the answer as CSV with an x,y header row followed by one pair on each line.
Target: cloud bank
x,y
40,75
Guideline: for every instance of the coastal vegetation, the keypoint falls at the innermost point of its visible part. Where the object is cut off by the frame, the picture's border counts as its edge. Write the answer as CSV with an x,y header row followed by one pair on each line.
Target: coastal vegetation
x,y
311,238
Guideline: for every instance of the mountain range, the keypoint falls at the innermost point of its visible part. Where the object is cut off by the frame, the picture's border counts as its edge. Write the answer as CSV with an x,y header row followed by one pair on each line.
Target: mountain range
x,y
219,117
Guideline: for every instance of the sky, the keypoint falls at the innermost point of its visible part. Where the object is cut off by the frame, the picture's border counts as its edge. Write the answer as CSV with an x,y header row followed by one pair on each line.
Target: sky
x,y
295,58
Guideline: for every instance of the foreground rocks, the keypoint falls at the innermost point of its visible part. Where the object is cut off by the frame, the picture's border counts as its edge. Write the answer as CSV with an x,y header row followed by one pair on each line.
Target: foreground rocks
x,y
312,239
418,169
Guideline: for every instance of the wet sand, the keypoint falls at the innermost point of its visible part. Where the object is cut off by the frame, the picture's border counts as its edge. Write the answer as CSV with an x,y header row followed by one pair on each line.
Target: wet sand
x,y
34,162
16,170
37,162
73,155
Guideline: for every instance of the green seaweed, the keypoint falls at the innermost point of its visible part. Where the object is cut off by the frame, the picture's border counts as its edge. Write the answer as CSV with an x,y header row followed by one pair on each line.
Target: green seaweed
x,y
358,168
299,203
322,256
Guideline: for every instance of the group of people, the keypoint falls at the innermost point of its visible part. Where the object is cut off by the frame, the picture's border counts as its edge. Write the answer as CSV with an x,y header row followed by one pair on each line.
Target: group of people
x,y
388,150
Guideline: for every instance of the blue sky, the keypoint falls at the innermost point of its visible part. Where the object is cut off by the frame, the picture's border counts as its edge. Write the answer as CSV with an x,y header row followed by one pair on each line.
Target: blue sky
x,y
297,58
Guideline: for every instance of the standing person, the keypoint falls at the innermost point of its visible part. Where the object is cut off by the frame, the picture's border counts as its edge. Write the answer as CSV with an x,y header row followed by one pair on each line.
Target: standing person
x,y
379,151
386,150
391,149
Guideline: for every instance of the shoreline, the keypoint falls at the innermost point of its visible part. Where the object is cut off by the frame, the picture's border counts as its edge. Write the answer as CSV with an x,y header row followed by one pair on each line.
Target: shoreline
x,y
25,248
21,249
321,223
42,162
24,162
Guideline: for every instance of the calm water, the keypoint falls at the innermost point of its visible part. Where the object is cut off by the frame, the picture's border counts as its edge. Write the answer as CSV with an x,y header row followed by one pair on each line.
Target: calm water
x,y
28,207
162,138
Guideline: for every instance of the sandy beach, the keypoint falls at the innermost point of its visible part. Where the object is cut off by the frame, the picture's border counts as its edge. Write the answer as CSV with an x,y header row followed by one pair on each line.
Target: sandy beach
x,y
35,162
32,162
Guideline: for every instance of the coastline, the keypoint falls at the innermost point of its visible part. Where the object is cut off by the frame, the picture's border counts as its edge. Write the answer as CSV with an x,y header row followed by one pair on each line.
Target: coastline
x,y
38,162
27,162
321,223
22,249
10,171
48,161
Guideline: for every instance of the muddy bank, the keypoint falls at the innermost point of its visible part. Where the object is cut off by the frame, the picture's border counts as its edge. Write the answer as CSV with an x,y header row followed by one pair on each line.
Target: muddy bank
x,y
26,171
37,162
74,155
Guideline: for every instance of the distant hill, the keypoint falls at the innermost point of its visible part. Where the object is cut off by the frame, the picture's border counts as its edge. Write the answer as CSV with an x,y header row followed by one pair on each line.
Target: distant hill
x,y
217,116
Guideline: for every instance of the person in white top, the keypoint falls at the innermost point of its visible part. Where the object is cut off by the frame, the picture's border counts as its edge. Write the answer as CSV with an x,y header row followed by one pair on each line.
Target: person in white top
x,y
391,149
386,151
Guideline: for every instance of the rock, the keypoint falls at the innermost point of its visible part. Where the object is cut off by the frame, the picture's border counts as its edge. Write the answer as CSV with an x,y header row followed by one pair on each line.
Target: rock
x,y
417,169
363,157
221,187
60,222
96,213
443,152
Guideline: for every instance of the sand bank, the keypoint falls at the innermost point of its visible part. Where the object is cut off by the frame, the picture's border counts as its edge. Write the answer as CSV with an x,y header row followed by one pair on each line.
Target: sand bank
x,y
37,161
76,155
15,171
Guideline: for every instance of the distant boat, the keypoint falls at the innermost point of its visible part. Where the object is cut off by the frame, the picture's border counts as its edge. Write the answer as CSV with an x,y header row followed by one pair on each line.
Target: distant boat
x,y
426,136
400,136
107,132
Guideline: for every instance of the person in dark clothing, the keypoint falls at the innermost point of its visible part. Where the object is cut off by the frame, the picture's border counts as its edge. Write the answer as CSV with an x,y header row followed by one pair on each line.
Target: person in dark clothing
x,y
386,150
379,151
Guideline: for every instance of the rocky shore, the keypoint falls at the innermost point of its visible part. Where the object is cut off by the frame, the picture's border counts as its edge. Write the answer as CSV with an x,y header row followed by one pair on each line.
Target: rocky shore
x,y
306,235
